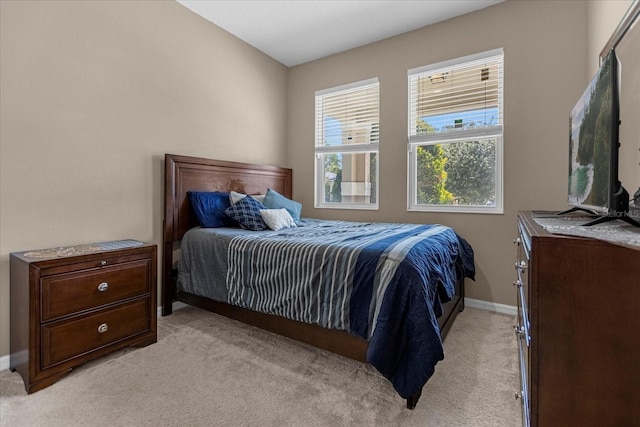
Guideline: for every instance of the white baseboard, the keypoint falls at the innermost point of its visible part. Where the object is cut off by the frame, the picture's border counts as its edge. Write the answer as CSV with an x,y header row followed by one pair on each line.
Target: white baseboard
x,y
4,362
491,306
177,305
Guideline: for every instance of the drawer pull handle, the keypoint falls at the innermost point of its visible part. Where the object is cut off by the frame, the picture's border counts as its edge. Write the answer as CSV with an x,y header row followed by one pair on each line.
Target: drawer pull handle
x,y
519,330
103,262
518,395
521,265
103,286
103,328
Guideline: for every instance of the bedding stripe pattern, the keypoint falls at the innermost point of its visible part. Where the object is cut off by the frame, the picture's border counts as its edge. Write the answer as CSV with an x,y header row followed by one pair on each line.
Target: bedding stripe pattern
x,y
309,275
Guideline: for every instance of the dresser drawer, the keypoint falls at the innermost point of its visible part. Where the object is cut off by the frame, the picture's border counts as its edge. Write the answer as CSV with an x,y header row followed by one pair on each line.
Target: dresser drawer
x,y
523,325
522,287
64,340
65,294
523,394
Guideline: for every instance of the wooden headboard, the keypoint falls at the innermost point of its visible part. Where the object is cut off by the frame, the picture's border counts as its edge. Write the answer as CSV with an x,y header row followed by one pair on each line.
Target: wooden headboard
x,y
183,174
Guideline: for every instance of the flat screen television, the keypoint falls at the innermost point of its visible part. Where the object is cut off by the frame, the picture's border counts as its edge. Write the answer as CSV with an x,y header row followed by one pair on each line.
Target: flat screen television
x,y
593,148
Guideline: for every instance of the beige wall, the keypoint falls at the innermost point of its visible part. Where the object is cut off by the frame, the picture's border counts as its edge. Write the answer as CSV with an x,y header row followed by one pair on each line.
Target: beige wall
x,y
92,96
545,52
603,17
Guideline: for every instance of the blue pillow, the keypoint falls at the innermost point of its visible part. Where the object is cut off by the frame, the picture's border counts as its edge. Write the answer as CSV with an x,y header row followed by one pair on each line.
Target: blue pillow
x,y
247,213
275,200
209,208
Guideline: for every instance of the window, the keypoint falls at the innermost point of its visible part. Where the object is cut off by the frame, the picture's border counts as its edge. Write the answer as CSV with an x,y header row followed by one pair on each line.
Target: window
x,y
346,146
455,135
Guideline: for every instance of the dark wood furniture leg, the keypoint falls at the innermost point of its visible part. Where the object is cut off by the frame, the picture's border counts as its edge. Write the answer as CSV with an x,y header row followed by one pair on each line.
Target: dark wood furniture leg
x,y
413,400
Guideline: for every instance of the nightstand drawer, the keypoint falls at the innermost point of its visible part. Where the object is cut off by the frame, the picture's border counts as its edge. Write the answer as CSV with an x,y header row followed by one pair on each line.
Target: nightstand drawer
x,y
65,340
69,293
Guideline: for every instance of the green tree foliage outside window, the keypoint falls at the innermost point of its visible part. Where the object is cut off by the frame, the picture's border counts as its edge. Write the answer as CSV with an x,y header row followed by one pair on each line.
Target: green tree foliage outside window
x,y
431,176
461,172
332,187
471,171
372,176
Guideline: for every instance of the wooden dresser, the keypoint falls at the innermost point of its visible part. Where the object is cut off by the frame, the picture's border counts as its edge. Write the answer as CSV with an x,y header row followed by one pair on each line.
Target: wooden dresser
x,y
73,304
577,329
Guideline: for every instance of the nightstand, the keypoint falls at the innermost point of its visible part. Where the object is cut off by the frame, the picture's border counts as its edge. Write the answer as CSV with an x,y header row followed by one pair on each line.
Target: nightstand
x,y
73,304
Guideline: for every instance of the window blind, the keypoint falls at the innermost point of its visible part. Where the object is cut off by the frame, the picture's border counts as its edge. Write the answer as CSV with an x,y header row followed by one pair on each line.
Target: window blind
x,y
457,95
348,115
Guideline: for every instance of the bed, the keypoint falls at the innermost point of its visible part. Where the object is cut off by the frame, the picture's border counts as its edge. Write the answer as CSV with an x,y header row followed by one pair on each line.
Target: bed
x,y
398,327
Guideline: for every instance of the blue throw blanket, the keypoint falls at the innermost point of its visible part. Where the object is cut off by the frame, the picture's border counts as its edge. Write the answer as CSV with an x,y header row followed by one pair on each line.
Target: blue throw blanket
x,y
382,282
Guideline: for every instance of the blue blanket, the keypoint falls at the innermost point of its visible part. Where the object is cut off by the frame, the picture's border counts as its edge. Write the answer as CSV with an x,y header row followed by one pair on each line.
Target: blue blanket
x,y
382,282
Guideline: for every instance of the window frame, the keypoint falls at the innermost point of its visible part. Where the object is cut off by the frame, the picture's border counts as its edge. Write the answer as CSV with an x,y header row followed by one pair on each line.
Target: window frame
x,y
455,136
365,148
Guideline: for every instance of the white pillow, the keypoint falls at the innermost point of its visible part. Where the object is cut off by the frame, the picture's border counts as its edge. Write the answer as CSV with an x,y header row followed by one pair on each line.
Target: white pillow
x,y
277,219
235,197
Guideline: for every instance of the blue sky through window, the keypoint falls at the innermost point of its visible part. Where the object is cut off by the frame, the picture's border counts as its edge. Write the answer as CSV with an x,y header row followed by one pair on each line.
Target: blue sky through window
x,y
332,131
482,117
441,122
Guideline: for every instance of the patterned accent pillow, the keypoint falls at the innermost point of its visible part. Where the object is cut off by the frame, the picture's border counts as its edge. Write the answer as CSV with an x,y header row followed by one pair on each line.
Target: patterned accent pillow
x,y
247,213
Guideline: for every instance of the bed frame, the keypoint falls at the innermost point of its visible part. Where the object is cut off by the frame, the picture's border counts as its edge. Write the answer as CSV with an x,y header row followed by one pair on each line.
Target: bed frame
x,y
184,174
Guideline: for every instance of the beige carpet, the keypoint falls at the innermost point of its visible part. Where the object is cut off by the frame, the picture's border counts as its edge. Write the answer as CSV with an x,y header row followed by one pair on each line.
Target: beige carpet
x,y
207,370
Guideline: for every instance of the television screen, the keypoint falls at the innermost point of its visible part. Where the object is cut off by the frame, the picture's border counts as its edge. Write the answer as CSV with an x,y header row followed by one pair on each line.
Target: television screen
x,y
593,154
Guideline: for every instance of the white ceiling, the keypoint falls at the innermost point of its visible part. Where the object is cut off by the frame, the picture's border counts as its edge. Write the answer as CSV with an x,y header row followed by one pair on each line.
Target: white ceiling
x,y
297,31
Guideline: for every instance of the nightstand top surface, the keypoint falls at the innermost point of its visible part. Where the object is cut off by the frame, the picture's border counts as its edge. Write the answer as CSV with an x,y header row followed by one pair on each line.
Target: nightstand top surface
x,y
85,249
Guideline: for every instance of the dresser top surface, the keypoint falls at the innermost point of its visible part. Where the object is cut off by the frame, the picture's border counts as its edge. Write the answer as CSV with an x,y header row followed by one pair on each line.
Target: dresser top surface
x,y
549,224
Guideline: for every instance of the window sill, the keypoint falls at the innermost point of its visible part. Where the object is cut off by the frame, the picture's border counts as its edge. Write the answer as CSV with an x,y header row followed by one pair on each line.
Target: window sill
x,y
457,209
352,207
